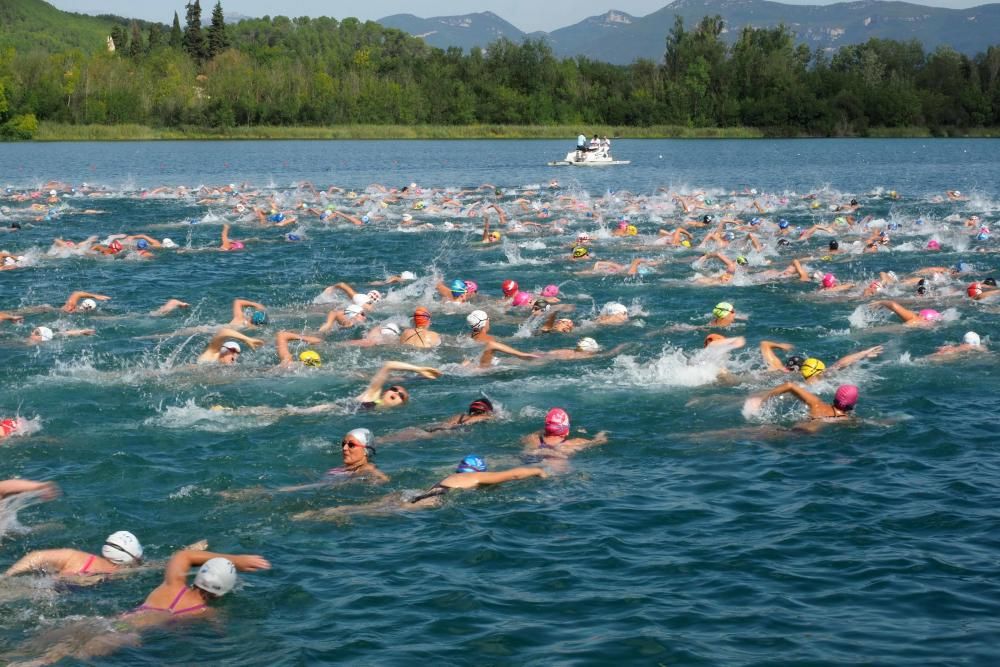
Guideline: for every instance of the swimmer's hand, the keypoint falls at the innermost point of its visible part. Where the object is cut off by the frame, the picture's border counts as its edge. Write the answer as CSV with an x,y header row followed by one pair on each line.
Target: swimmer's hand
x,y
251,563
50,491
600,438
200,545
428,372
751,407
255,343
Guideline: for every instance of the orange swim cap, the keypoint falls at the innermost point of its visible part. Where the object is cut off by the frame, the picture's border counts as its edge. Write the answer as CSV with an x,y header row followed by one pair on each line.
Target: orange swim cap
x,y
421,317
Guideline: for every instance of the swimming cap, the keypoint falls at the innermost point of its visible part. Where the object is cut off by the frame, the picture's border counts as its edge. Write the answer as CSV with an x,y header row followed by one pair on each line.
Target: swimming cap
x,y
834,245
52,193
471,463
829,280
579,251
122,548
846,397
362,435
614,308
583,237
783,224
522,299
115,246
421,317
784,242
477,319
310,358
708,219
481,406
407,217
44,333
258,318
974,290
929,314
992,282
550,291
374,296
142,244
622,225
217,576
236,245
722,310
471,287
685,243
755,221
587,345
729,236
971,338
494,236
232,346
811,367
557,422
711,338
168,243
794,362
457,287
365,218
632,230
8,426
407,275
361,299
876,285
933,245
88,304
390,329
962,267
509,287
354,310
293,237
742,261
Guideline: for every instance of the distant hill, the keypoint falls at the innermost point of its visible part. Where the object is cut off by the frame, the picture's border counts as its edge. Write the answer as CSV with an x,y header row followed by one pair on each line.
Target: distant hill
x,y
620,38
34,24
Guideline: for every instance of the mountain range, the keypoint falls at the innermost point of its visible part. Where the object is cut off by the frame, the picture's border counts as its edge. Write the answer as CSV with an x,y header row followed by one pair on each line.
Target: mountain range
x,y
620,38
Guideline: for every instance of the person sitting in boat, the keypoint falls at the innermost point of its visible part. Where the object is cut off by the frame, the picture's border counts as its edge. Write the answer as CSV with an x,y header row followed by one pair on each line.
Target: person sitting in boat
x,y
595,143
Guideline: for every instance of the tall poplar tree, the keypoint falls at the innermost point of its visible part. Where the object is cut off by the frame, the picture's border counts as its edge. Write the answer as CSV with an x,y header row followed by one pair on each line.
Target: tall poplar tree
x,y
194,39
176,36
135,49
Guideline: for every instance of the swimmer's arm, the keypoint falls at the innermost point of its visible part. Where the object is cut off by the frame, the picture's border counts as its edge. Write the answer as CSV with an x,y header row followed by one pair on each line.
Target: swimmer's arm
x,y
486,228
343,287
238,306
215,344
77,332
600,438
483,478
767,348
52,560
149,239
225,237
170,306
507,349
182,561
810,399
904,314
11,487
856,357
282,339
803,275
443,290
10,317
374,389
334,317
75,297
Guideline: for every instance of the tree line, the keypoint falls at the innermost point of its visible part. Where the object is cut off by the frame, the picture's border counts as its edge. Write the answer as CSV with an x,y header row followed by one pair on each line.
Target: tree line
x,y
281,71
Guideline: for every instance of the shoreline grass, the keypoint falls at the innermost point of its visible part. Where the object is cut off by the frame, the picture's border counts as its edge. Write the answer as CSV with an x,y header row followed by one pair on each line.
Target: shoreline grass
x,y
48,131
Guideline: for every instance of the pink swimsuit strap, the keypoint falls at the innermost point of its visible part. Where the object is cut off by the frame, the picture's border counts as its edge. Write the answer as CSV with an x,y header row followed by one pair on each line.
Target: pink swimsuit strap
x,y
170,609
86,566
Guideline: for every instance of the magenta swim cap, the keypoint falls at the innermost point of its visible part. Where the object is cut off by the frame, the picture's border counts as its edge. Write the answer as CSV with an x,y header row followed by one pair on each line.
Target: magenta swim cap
x,y
933,245
471,287
557,422
550,290
829,280
929,314
236,245
846,397
622,225
522,298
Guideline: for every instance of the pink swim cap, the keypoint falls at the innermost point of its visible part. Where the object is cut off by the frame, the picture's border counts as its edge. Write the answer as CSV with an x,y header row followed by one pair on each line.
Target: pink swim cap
x,y
622,225
846,397
522,298
557,422
550,290
471,287
509,287
933,245
929,314
236,245
829,280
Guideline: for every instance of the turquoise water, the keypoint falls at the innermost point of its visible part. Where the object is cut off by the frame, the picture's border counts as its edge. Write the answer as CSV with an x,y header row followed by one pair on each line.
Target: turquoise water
x,y
698,535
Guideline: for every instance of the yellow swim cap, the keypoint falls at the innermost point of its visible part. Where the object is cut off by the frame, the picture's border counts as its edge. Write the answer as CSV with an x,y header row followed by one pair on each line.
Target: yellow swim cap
x,y
632,230
812,367
579,251
686,243
310,358
815,204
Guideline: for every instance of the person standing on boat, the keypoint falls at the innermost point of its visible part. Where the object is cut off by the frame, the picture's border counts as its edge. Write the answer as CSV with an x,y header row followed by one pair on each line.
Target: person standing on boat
x,y
581,143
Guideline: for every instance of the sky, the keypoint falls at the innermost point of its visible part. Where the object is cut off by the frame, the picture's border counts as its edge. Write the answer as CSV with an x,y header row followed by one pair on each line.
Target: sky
x,y
528,15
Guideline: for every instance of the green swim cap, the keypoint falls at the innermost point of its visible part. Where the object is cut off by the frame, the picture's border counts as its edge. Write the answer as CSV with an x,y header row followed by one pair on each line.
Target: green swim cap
x,y
723,309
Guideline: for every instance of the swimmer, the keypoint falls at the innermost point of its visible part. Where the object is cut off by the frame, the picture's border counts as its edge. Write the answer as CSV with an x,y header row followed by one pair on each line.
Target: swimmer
x,y
170,306
613,313
493,346
480,410
404,277
352,316
382,334
12,487
11,317
357,450
420,335
554,441
226,244
925,317
971,343
366,301
586,348
724,314
395,396
45,334
555,324
257,318
979,291
471,473
221,349
638,265
121,550
82,302
307,357
458,291
843,403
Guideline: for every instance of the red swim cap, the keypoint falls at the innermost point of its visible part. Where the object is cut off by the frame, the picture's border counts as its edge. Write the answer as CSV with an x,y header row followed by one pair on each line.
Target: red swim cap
x,y
421,317
8,426
974,290
509,287
557,422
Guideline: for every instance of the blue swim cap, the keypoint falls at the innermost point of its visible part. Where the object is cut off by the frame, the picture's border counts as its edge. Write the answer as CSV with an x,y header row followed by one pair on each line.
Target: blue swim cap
x,y
471,463
258,318
982,236
962,267
142,244
458,287
893,226
783,224
919,221
193,221
755,221
365,218
644,270
293,237
729,236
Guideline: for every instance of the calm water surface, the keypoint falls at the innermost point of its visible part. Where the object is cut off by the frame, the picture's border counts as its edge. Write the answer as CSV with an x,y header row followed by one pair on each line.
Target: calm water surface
x,y
696,536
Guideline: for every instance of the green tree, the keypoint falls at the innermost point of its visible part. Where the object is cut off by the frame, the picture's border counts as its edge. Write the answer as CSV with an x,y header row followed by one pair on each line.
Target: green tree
x,y
176,36
154,39
194,38
218,41
135,46
120,37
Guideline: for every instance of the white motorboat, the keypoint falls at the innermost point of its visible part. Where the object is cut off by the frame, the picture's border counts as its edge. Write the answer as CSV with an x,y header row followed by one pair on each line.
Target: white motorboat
x,y
595,158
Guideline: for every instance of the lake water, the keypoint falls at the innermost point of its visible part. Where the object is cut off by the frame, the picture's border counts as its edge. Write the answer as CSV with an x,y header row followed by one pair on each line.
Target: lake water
x,y
701,534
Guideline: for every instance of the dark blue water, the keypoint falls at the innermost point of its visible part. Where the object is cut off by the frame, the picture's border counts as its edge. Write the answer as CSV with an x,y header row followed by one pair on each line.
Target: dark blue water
x,y
701,534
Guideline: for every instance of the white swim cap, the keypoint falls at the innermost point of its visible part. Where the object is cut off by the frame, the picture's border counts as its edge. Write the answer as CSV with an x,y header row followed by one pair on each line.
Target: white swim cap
x,y
52,193
362,435
122,548
88,304
615,308
354,309
361,299
407,275
217,576
407,217
44,333
231,345
971,338
587,345
477,319
374,296
167,243
390,329
9,260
